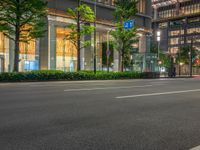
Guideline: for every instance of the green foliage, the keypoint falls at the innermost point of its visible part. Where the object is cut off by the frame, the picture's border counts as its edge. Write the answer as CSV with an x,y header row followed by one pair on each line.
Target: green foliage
x,y
104,52
29,15
125,9
124,39
163,57
86,17
69,76
154,48
22,21
184,54
47,71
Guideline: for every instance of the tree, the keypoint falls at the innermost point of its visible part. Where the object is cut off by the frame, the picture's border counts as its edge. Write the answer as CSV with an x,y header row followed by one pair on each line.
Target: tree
x,y
163,57
184,54
83,16
124,39
104,53
22,21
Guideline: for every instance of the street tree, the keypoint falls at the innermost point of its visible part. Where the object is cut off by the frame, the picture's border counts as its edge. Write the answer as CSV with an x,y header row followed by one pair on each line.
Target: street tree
x,y
83,16
124,38
164,58
22,21
184,54
105,59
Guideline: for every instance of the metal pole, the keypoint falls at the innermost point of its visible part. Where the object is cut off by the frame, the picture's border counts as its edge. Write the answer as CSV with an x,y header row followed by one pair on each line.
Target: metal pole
x,y
190,56
95,13
79,40
179,53
64,54
108,50
158,50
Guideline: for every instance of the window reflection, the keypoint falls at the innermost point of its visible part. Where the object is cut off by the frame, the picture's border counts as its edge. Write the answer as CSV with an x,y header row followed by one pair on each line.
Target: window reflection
x,y
66,52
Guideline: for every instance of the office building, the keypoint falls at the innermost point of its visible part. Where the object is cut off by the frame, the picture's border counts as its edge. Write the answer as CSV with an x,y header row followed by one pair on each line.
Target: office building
x,y
178,22
52,52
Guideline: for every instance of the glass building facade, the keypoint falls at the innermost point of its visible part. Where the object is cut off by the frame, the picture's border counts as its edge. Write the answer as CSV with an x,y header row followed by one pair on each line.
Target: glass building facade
x,y
179,23
54,52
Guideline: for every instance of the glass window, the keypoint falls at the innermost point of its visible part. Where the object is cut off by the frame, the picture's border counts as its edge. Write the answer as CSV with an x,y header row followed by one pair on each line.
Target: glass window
x,y
1,43
142,6
66,52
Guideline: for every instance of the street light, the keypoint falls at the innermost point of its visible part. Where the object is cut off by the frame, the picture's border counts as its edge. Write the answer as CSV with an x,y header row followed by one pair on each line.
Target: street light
x,y
158,33
190,54
158,40
108,49
180,65
108,52
95,49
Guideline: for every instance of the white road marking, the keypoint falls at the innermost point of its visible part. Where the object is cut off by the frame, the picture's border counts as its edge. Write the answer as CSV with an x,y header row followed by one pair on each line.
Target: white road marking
x,y
59,85
195,148
157,94
105,88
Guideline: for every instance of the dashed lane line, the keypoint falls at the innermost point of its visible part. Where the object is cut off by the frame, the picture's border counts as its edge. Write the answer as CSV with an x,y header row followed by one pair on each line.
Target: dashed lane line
x,y
195,148
158,94
105,88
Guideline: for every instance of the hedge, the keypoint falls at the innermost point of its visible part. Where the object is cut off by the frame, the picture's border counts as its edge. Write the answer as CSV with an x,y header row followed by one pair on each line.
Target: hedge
x,y
60,75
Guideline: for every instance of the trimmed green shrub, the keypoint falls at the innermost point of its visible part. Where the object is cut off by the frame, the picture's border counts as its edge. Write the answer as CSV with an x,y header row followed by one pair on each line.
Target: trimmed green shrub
x,y
54,75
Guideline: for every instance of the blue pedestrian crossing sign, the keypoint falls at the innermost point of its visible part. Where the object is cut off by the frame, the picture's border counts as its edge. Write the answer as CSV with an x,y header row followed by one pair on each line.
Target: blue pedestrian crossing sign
x,y
129,24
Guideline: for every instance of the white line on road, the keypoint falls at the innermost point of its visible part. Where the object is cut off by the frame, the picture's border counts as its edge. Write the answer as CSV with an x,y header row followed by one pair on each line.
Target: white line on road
x,y
157,94
195,148
106,88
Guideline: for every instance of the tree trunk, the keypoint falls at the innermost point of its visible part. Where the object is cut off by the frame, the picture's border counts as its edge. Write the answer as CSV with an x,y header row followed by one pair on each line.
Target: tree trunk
x,y
122,61
119,63
17,39
16,55
79,40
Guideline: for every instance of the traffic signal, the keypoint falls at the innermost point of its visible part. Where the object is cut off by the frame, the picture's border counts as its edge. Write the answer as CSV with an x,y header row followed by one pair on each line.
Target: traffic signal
x,y
196,61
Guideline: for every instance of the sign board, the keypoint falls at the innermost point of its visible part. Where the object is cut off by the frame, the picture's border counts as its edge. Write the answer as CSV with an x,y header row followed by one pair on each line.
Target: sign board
x,y
129,24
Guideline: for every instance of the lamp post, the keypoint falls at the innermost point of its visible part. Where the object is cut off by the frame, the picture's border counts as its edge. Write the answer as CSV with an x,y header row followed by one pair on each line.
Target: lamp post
x,y
190,57
181,64
158,40
95,48
108,50
179,52
190,53
78,37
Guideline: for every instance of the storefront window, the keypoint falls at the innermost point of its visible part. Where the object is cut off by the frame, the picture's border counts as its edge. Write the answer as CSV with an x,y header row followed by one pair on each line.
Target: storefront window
x,y
66,52
28,56
1,43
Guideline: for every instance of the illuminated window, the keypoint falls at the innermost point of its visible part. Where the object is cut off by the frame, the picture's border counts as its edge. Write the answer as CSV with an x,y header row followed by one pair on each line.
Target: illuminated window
x,y
1,43
176,32
141,6
174,41
27,48
173,50
66,52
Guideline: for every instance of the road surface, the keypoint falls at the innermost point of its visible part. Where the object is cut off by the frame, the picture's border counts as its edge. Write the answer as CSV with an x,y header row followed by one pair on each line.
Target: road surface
x,y
160,114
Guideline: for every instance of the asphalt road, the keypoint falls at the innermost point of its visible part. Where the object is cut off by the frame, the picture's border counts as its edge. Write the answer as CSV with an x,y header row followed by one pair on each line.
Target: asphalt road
x,y
159,114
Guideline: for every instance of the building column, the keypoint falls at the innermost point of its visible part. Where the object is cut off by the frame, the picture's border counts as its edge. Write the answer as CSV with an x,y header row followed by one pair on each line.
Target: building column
x,y
44,49
11,55
155,14
86,56
116,61
142,44
52,47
